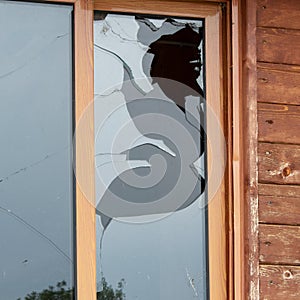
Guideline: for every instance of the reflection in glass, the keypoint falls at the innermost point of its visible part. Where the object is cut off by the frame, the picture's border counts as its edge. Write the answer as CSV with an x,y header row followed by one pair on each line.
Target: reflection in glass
x,y
36,181
150,156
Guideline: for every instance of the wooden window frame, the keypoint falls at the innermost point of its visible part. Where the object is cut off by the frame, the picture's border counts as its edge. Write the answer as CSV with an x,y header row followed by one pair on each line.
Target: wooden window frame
x,y
227,217
215,84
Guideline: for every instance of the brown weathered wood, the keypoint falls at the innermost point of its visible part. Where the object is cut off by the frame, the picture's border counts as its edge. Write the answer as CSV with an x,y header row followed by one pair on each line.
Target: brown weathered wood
x,y
278,13
278,45
279,204
278,123
246,271
278,85
279,244
279,67
248,164
279,282
279,210
245,201
278,163
292,191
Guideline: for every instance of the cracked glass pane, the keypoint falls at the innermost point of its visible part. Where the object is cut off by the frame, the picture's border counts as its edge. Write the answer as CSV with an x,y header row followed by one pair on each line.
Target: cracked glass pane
x,y
150,157
36,181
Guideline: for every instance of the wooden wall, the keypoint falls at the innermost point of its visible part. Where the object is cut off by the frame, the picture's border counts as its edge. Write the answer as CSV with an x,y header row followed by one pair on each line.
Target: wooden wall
x,y
278,95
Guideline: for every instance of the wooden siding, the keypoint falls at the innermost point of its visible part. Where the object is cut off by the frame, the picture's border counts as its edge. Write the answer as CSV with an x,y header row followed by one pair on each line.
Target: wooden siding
x,y
278,96
279,244
279,123
279,163
278,45
278,83
279,205
278,13
279,282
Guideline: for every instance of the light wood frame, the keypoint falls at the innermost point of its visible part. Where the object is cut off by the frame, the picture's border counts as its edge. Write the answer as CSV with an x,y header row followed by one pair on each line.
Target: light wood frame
x,y
83,58
84,96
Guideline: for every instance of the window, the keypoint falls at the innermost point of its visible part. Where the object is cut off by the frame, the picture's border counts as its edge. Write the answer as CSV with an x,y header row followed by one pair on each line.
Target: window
x,y
150,155
36,174
204,23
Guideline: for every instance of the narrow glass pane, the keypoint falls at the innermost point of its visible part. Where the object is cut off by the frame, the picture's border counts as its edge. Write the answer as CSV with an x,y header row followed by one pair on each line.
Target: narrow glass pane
x,y
150,157
36,181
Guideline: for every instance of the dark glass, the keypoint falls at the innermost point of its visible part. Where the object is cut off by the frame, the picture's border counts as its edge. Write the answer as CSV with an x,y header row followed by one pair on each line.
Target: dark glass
x,y
150,157
36,176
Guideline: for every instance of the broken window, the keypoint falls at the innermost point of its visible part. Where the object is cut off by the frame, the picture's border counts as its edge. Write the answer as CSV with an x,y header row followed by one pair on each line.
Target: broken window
x,y
150,156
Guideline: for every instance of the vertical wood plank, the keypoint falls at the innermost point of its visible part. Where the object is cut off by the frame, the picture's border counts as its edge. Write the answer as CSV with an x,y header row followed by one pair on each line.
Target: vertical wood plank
x,y
250,148
238,167
84,93
228,107
218,280
245,150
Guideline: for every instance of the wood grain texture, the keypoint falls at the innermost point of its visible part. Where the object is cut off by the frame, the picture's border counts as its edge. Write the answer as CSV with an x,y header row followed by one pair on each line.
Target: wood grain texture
x,y
292,191
85,190
279,244
278,123
279,282
217,222
279,204
278,13
279,210
239,266
279,163
278,45
278,84
279,67
228,107
245,152
197,9
61,1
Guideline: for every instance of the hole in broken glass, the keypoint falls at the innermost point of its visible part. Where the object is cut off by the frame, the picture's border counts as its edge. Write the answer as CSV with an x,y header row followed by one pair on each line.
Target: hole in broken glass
x,y
146,52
